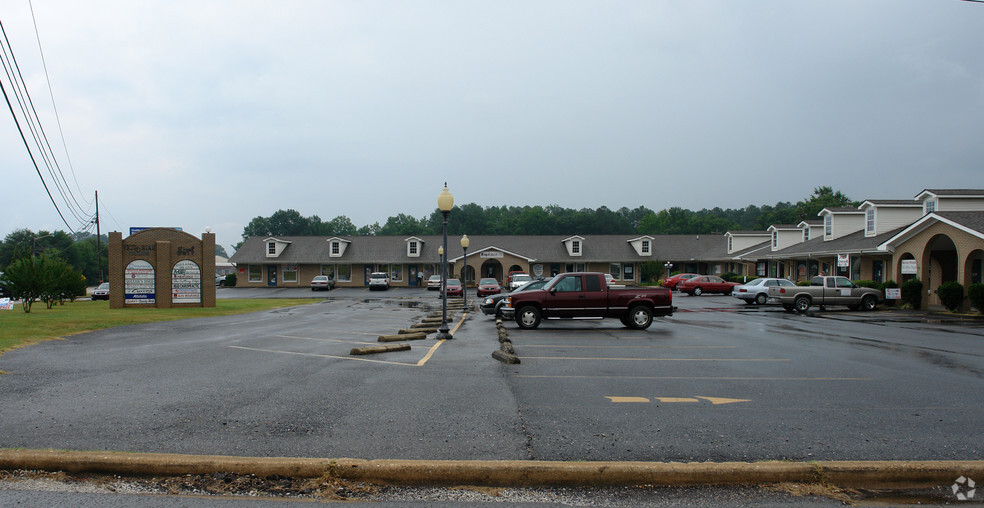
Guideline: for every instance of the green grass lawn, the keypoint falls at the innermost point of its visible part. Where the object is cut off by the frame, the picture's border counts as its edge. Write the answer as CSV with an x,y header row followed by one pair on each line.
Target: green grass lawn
x,y
19,329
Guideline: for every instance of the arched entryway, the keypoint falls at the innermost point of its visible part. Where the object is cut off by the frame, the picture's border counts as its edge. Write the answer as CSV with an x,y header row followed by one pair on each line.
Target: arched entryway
x,y
467,278
974,268
939,265
492,268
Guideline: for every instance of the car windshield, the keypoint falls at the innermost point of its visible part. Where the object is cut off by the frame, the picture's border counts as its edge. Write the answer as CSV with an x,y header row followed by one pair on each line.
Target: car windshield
x,y
454,282
105,285
755,282
488,282
321,277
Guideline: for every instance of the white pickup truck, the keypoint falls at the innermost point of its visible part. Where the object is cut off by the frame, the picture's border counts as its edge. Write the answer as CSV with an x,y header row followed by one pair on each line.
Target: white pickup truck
x,y
825,291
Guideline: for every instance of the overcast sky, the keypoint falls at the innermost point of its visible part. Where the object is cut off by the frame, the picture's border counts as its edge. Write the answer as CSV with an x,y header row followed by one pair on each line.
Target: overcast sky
x,y
208,113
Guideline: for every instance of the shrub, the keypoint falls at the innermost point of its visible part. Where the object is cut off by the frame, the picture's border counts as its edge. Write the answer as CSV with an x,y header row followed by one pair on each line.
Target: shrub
x,y
803,283
912,293
975,292
866,284
951,295
230,280
731,277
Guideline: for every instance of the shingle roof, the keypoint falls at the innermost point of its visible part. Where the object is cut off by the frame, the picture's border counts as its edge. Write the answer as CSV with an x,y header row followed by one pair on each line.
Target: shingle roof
x,y
970,220
550,248
955,192
853,243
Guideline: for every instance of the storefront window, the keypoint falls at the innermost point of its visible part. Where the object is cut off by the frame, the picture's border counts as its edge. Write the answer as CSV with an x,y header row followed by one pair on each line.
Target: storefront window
x,y
255,273
396,275
290,273
328,270
628,272
344,273
615,269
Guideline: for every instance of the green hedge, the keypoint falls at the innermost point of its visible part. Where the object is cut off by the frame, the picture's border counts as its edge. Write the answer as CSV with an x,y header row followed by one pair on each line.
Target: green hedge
x,y
912,293
975,292
951,295
866,284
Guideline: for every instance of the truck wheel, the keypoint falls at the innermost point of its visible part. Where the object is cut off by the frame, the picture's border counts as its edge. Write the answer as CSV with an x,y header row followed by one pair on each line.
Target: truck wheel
x,y
640,317
528,317
760,299
801,304
698,291
869,303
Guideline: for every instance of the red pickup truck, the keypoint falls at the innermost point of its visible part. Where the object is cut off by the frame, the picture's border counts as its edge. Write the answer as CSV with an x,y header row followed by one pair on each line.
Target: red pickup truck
x,y
587,295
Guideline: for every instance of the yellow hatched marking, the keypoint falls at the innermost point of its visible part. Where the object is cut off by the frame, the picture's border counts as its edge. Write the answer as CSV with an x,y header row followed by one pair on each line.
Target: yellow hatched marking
x,y
628,399
676,399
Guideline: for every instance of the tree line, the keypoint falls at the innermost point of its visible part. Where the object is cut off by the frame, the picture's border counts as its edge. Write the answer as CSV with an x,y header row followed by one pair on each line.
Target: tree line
x,y
474,219
79,251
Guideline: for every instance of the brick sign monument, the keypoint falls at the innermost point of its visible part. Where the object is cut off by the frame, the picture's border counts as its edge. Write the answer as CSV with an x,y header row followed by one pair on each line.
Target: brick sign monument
x,y
161,267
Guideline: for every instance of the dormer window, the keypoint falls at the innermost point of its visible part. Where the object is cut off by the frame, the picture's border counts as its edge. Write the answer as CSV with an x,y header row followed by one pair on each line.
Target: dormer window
x,y
806,233
828,225
645,247
930,206
271,248
336,247
275,247
869,220
775,240
414,246
576,247
731,243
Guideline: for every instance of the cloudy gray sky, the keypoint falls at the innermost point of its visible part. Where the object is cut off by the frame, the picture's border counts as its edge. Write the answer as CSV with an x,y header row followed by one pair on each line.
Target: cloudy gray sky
x,y
209,113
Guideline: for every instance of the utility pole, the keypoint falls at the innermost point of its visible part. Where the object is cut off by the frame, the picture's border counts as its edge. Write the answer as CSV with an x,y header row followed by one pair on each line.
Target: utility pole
x,y
98,242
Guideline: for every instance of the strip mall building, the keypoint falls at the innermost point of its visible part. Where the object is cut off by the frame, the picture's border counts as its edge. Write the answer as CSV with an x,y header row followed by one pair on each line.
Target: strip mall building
x,y
938,236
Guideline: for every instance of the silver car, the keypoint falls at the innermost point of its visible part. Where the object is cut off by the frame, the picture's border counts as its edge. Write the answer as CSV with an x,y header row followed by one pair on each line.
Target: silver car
x,y
757,291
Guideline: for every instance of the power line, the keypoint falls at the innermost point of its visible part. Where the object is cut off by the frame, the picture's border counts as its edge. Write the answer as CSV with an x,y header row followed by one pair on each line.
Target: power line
x,y
51,94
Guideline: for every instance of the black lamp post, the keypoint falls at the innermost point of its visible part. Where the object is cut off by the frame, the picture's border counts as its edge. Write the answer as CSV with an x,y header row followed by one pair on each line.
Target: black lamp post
x,y
464,273
445,201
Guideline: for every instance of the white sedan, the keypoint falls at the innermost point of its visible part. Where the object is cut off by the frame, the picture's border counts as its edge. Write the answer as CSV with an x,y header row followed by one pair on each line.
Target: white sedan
x,y
757,291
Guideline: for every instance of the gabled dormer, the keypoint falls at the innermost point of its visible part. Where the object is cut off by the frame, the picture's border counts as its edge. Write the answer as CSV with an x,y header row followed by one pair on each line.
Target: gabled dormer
x,y
784,235
575,246
741,240
951,200
275,247
337,246
811,229
414,246
884,215
840,221
642,245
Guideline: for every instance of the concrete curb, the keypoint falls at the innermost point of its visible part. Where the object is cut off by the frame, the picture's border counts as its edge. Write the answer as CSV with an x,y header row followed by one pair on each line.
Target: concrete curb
x,y
508,473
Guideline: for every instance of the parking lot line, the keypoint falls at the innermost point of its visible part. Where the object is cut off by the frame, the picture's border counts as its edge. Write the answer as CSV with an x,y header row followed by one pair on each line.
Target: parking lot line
x,y
323,356
655,359
624,347
699,378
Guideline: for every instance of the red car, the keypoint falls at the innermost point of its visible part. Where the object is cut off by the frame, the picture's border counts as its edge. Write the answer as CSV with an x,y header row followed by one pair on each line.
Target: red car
x,y
696,286
453,288
672,281
488,287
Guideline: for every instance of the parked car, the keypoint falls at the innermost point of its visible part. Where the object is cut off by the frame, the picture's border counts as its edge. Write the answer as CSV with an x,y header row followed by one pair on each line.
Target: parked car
x,y
321,282
488,286
493,304
518,280
379,280
220,280
585,295
825,291
757,291
509,278
434,282
673,280
696,286
101,292
454,288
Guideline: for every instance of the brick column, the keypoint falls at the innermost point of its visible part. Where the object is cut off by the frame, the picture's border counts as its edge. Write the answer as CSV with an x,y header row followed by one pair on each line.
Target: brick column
x,y
162,275
115,278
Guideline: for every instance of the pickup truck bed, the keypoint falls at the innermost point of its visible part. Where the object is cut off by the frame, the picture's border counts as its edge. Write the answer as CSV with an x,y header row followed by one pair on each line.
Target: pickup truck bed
x,y
587,295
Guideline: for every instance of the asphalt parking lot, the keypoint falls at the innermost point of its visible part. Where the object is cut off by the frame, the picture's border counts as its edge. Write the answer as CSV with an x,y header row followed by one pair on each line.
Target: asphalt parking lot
x,y
716,381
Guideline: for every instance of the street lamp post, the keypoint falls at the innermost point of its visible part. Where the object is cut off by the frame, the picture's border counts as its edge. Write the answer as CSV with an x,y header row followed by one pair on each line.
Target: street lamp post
x,y
445,201
669,266
464,274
